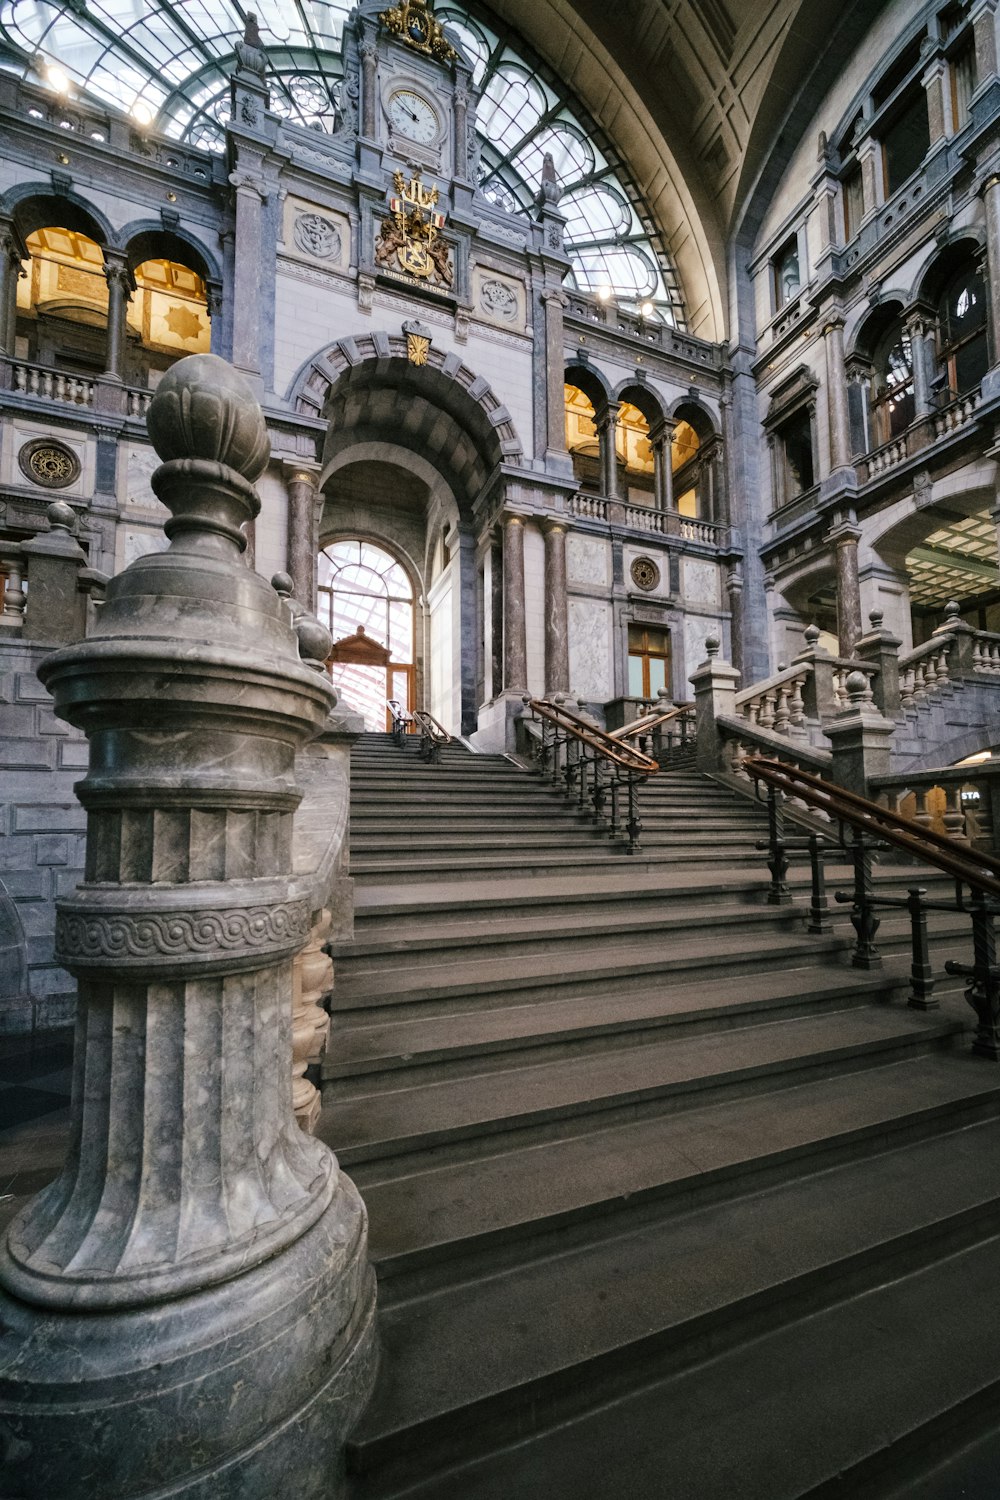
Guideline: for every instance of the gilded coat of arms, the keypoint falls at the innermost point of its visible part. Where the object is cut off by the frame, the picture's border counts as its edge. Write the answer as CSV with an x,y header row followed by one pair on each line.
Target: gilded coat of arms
x,y
410,237
413,22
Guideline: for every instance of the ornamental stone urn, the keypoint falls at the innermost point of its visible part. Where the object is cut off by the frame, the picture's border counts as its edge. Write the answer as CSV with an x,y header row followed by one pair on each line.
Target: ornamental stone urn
x,y
188,1309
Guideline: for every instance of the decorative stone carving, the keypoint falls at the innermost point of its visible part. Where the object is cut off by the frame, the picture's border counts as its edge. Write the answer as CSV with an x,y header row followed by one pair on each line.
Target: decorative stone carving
x,y
316,236
274,930
499,300
645,574
47,462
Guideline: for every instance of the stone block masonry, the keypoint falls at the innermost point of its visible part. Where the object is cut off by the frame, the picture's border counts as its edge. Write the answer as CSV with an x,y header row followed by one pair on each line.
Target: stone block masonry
x,y
42,838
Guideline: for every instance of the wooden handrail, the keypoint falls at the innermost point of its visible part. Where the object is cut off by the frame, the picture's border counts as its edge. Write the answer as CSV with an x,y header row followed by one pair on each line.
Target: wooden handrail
x,y
646,723
979,871
428,725
625,757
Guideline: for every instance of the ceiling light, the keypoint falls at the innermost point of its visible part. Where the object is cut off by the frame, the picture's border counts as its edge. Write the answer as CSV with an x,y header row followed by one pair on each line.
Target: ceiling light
x,y
142,113
647,309
604,294
57,78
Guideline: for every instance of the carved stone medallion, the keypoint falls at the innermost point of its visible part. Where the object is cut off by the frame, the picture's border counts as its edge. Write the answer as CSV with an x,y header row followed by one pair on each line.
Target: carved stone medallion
x,y
314,235
49,463
645,574
499,300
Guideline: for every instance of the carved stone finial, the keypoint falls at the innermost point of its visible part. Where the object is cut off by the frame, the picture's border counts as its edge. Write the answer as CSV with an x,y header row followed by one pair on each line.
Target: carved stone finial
x,y
205,424
856,687
61,517
952,610
712,646
315,641
282,585
250,54
812,635
875,618
550,189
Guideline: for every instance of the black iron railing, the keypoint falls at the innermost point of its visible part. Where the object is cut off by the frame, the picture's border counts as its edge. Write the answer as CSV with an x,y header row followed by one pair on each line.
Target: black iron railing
x,y
602,773
659,730
402,720
432,735
860,828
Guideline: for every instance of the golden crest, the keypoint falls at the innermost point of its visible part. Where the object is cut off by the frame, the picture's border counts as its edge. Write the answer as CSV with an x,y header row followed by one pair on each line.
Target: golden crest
x,y
415,258
417,348
410,237
414,24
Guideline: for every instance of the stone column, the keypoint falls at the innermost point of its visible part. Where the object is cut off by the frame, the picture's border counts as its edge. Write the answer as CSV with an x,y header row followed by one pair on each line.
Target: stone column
x,y
496,619
189,1304
251,195
460,131
661,436
369,73
303,540
11,254
849,627
920,326
936,85
214,298
554,303
607,433
984,31
556,615
991,203
836,394
871,186
515,646
734,588
120,289
715,683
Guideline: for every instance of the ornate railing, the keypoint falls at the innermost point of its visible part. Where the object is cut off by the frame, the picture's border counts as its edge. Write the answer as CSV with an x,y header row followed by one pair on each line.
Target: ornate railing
x,y
778,702
923,670
667,523
986,653
12,594
432,735
402,720
881,460
960,801
860,828
46,384
601,773
955,415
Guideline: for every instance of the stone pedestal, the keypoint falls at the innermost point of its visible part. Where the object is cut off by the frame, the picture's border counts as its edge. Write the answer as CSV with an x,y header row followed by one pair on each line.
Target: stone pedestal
x,y
715,685
188,1309
860,740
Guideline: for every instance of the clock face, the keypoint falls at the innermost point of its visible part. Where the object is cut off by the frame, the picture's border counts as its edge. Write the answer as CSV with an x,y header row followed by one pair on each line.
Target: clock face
x,y
412,117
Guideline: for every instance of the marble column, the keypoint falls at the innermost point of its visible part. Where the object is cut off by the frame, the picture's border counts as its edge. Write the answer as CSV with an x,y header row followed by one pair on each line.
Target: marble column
x,y
849,625
836,394
984,31
120,289
10,273
515,646
251,195
303,537
556,612
460,131
188,1306
920,327
936,85
661,436
369,72
734,589
607,437
496,619
554,303
991,203
214,307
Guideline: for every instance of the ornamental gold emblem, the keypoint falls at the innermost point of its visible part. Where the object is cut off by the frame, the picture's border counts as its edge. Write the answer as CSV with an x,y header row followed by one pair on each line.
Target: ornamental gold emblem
x,y
410,237
413,22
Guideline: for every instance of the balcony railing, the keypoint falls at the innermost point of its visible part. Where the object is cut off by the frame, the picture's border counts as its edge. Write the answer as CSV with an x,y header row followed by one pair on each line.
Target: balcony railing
x,y
88,391
951,418
666,523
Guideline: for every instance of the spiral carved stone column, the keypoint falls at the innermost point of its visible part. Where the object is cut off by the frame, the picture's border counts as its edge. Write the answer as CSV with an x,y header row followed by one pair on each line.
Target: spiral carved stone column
x,y
188,1308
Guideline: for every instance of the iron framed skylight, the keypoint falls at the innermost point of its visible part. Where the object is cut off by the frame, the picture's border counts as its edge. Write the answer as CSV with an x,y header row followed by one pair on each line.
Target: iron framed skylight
x,y
167,63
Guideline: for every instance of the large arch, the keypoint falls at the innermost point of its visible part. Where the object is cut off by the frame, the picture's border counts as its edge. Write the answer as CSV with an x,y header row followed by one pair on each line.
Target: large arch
x,y
33,205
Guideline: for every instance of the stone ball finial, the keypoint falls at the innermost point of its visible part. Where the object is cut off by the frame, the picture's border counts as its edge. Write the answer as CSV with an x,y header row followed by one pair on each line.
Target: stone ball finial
x,y
811,634
282,584
856,686
204,409
952,609
713,645
875,619
61,517
663,694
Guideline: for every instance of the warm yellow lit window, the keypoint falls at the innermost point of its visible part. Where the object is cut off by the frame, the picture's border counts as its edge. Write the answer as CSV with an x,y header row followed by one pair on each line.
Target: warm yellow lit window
x,y
634,448
581,431
169,309
67,277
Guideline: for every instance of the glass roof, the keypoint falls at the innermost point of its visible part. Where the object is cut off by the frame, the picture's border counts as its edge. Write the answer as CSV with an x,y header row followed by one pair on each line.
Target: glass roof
x,y
167,62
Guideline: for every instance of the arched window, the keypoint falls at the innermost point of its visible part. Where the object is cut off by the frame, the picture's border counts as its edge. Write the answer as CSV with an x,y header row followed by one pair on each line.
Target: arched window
x,y
635,455
581,438
365,599
62,304
167,316
685,451
892,388
962,350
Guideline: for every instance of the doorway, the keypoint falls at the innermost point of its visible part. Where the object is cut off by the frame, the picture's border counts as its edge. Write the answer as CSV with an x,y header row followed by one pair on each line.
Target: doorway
x,y
365,599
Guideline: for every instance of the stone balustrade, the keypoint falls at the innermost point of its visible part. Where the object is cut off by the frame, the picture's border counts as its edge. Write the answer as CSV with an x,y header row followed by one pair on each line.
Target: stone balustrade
x,y
89,392
924,670
881,460
645,518
957,414
986,653
778,703
960,801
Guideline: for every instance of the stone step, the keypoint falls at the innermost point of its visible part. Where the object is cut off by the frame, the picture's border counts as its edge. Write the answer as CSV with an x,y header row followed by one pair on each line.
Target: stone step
x,y
469,1116
525,977
418,865
677,1328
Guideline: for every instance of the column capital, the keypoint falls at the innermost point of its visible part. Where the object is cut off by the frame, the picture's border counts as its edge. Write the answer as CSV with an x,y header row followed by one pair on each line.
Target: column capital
x,y
118,273
554,524
844,532
249,183
294,471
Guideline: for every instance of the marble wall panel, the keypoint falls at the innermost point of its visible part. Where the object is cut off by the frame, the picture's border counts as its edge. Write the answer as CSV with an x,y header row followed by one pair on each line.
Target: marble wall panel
x,y
591,667
588,559
700,582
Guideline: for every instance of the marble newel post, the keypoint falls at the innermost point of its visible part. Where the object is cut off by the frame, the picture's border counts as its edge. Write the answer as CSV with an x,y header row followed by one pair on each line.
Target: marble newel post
x,y
556,615
515,646
187,1309
849,627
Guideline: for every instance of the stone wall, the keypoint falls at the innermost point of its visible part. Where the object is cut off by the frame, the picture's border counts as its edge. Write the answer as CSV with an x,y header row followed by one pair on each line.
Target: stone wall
x,y
41,841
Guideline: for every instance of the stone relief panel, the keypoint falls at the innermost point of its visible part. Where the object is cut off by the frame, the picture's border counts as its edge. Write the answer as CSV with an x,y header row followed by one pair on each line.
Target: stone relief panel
x,y
591,665
35,458
633,559
140,463
500,300
315,235
697,629
588,559
700,582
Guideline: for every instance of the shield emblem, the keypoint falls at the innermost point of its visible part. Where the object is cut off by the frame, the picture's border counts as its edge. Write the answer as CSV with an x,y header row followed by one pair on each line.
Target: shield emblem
x,y
415,259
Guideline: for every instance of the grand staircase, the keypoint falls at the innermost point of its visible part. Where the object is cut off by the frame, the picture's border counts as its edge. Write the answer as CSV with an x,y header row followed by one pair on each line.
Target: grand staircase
x,y
666,1199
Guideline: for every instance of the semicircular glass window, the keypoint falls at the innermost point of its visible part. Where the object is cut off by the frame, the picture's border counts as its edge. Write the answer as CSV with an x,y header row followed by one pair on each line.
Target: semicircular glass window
x,y
167,63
